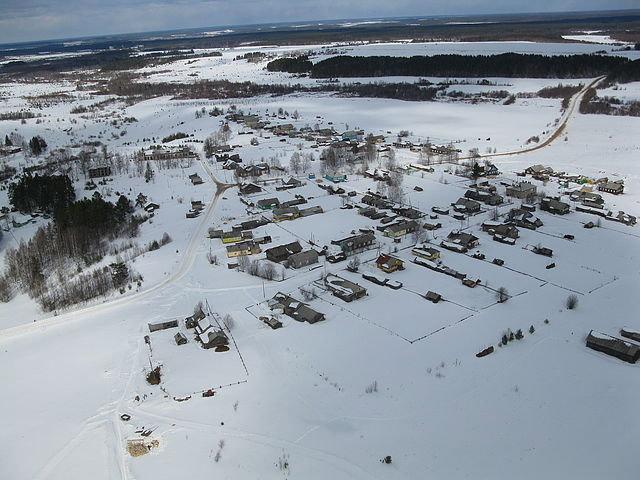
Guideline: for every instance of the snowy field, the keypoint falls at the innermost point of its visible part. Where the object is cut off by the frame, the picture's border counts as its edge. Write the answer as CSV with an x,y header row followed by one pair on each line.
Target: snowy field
x,y
228,68
299,402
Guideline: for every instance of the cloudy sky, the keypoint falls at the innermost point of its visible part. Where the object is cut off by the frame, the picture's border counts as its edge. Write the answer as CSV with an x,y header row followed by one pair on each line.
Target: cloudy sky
x,y
24,20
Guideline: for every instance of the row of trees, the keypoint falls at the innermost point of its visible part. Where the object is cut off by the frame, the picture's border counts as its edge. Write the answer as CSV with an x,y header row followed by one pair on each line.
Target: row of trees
x,y
398,91
592,103
257,268
300,162
216,139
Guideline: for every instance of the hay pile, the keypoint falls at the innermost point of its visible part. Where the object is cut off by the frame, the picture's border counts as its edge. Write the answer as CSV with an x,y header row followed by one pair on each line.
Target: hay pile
x,y
138,447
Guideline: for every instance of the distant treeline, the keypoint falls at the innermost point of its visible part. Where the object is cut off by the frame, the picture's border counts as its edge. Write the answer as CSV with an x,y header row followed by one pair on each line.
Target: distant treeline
x,y
398,91
106,61
210,89
512,65
219,89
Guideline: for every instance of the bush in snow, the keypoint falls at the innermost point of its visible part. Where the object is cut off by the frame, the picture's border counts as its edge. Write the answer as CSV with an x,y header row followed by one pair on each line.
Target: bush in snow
x,y
229,322
572,301
502,295
372,387
166,238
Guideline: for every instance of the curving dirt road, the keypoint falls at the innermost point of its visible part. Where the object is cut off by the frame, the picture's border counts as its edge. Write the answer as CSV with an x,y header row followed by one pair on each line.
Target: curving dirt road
x,y
564,120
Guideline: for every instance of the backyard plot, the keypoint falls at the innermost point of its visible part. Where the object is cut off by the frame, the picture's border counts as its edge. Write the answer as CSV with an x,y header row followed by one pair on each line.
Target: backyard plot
x,y
574,265
189,368
331,225
382,307
480,297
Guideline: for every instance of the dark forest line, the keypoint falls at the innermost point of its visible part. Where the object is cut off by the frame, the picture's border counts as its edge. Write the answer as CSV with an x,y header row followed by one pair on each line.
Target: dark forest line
x,y
511,65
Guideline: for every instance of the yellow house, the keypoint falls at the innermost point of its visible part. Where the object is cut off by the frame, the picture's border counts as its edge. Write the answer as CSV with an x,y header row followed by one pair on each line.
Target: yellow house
x,y
231,237
242,249
428,253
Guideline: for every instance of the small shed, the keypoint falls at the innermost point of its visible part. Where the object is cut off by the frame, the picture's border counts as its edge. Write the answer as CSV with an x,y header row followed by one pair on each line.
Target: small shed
x,y
433,296
154,327
213,338
616,347
180,338
273,322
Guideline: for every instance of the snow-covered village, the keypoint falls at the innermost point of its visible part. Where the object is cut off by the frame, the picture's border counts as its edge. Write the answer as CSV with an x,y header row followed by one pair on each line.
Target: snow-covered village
x,y
353,249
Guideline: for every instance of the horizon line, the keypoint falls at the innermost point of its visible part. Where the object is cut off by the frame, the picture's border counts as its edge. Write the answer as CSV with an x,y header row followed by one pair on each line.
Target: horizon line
x,y
423,17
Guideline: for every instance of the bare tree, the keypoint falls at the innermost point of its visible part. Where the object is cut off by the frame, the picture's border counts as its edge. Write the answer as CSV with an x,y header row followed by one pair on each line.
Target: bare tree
x,y
372,387
308,293
354,264
295,163
199,307
418,235
268,271
502,295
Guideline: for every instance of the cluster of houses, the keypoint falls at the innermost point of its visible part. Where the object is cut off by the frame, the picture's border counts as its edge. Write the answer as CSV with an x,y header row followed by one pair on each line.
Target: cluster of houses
x,y
399,227
229,161
287,210
501,232
208,335
429,257
195,179
524,218
252,171
292,255
166,153
554,205
484,192
593,203
543,173
620,216
295,309
197,206
344,289
460,242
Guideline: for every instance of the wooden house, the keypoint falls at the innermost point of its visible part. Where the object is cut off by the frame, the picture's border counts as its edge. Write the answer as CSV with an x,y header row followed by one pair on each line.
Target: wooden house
x,y
389,264
283,252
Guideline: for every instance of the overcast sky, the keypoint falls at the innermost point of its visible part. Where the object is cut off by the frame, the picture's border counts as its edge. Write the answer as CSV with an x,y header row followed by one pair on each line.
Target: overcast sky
x,y
25,20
